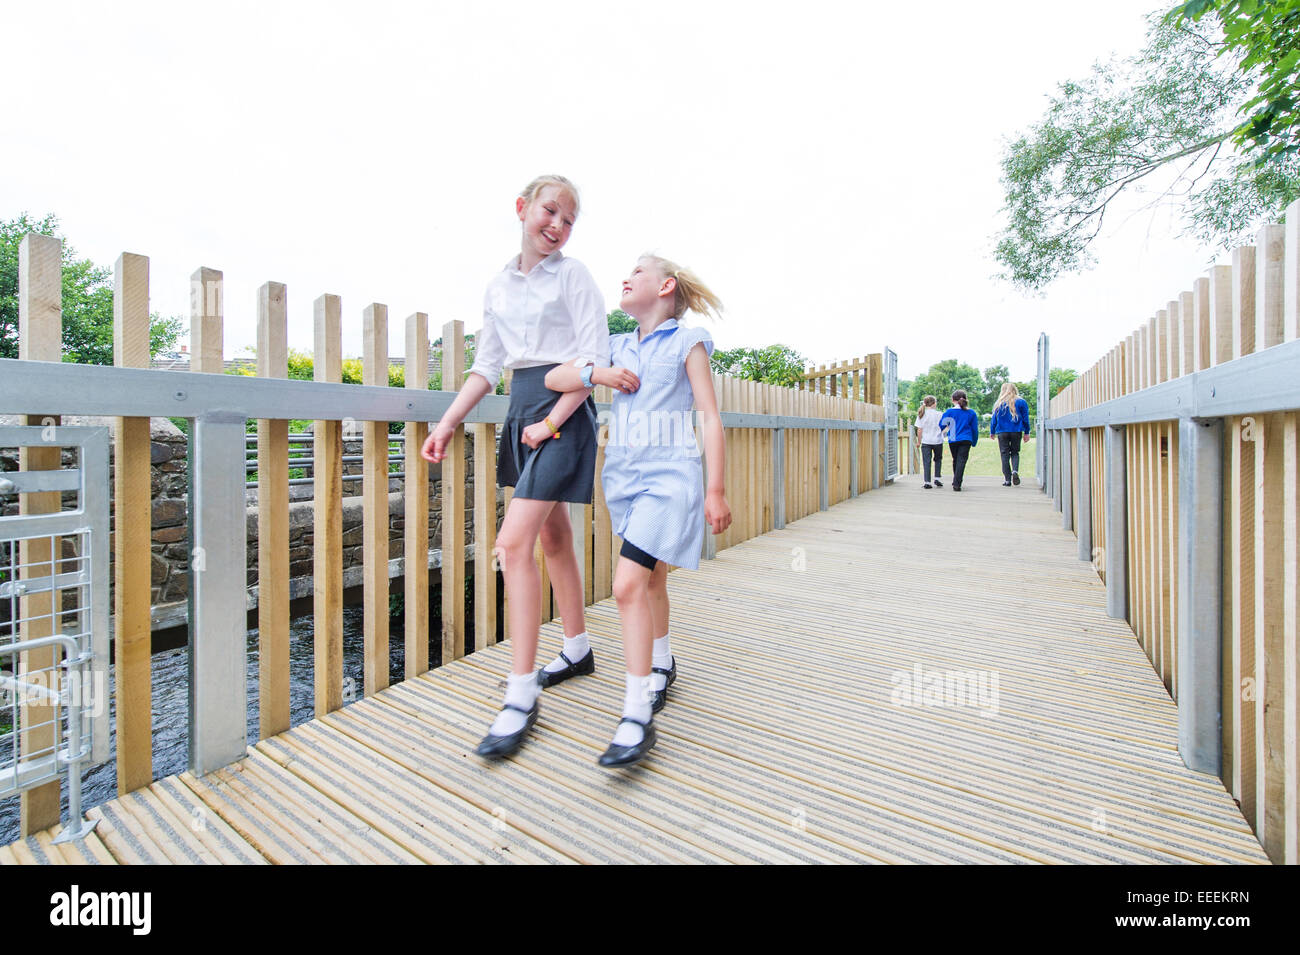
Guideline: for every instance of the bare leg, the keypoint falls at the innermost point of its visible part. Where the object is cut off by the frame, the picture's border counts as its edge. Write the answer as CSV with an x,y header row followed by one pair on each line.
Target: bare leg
x,y
515,541
632,593
659,599
562,564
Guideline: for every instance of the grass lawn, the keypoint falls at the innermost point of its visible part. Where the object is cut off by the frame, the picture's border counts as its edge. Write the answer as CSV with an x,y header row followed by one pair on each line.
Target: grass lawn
x,y
984,460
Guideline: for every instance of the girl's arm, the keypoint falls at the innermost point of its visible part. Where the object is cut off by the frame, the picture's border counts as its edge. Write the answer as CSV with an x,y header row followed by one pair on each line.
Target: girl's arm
x,y
567,377
569,402
471,393
716,510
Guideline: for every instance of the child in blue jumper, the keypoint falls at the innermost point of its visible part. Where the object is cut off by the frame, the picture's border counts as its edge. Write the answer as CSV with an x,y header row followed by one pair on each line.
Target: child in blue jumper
x,y
963,427
1010,425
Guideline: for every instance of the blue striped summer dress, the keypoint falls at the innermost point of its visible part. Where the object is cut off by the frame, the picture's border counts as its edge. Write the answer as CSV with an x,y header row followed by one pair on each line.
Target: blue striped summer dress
x,y
653,478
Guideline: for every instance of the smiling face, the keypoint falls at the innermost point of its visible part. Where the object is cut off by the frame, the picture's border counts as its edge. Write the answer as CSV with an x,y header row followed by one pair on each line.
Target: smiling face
x,y
644,288
548,219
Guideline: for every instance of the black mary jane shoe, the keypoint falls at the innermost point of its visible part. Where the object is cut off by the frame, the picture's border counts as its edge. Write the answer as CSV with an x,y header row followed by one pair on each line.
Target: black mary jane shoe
x,y
661,696
619,756
495,747
584,667
938,483
1006,483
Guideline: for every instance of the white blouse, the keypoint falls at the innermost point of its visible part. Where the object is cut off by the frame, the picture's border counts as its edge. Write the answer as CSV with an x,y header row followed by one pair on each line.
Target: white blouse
x,y
929,425
553,314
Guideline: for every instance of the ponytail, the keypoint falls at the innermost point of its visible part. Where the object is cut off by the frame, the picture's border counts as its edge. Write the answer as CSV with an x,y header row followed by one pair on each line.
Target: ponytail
x,y
959,397
691,294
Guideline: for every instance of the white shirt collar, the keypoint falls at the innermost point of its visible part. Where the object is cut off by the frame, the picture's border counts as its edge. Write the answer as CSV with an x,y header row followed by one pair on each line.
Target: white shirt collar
x,y
551,263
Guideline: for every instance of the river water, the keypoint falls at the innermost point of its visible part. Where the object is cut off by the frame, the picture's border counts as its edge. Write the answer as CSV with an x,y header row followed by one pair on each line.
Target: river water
x,y
171,706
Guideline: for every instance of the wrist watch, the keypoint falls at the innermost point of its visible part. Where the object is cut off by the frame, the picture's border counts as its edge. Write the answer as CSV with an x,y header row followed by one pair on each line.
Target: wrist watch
x,y
586,373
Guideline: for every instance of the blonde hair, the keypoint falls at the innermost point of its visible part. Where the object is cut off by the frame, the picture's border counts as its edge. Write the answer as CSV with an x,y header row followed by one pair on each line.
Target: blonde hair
x,y
691,294
531,190
1007,398
929,401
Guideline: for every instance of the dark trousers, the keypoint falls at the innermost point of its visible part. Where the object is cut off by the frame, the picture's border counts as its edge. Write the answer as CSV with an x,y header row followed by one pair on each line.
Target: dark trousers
x,y
960,452
935,451
1009,445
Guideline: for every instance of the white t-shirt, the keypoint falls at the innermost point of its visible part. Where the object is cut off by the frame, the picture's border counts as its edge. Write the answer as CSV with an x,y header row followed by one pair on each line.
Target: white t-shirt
x,y
928,422
553,314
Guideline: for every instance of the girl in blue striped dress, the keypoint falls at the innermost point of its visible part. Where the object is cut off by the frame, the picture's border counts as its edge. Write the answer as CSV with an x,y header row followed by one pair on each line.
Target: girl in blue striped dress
x,y
653,482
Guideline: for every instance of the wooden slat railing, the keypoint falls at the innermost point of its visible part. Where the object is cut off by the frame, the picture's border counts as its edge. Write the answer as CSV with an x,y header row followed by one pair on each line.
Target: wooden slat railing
x,y
789,453
1217,358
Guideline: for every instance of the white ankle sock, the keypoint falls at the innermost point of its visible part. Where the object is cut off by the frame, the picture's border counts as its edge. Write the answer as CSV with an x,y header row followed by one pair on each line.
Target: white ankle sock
x,y
637,700
575,648
662,657
520,691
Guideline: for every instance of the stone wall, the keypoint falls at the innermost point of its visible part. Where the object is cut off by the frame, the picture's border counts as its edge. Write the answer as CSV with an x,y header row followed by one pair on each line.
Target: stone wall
x,y
171,546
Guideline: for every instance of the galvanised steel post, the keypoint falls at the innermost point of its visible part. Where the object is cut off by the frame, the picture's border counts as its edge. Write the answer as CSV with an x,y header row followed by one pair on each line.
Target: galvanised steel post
x,y
824,489
218,572
1116,556
1083,465
1200,555
778,478
1067,484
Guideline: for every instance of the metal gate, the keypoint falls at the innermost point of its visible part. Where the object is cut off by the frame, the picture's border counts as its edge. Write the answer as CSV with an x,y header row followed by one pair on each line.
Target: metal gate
x,y
54,617
891,414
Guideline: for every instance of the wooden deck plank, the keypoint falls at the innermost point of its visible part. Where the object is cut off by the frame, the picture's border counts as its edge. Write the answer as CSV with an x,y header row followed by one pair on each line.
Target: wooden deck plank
x,y
278,845
629,830
419,815
1074,760
712,823
349,834
223,841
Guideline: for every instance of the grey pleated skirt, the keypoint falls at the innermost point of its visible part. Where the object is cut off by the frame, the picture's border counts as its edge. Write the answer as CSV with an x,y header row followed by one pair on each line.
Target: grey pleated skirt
x,y
561,469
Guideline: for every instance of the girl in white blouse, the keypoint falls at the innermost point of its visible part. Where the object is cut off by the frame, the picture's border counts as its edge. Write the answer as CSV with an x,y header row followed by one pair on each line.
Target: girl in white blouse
x,y
927,425
542,308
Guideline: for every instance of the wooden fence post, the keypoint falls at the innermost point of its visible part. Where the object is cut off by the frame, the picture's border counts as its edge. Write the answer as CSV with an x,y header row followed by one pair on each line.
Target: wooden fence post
x,y
374,503
132,538
453,504
1241,548
40,338
327,521
415,532
1270,653
272,521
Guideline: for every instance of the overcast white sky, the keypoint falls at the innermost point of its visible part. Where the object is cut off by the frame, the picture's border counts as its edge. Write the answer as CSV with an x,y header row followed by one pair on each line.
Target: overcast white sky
x,y
830,168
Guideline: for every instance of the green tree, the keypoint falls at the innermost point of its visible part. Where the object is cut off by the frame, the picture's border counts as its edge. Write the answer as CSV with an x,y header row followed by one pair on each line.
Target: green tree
x,y
1059,379
1265,35
1171,109
87,300
945,377
994,379
773,364
620,322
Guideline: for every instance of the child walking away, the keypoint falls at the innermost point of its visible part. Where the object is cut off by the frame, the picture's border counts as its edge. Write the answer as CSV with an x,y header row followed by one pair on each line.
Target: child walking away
x,y
1010,423
963,427
927,426
652,478
542,308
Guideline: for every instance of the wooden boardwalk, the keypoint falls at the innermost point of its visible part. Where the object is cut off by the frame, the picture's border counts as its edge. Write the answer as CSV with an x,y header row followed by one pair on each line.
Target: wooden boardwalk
x,y
787,737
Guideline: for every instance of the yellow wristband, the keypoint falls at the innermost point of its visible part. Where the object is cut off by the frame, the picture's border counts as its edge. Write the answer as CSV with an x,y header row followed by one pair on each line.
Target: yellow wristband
x,y
554,429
